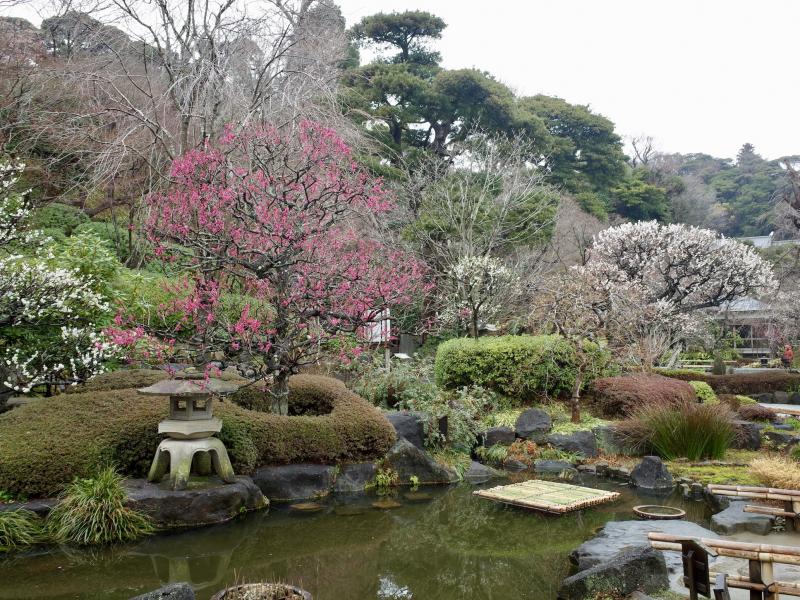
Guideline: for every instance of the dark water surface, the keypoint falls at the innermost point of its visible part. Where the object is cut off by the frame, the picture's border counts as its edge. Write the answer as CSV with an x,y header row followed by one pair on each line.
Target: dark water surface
x,y
450,546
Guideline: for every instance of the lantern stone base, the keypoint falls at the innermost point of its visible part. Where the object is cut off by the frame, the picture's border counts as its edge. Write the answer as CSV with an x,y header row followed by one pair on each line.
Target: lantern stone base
x,y
190,430
175,457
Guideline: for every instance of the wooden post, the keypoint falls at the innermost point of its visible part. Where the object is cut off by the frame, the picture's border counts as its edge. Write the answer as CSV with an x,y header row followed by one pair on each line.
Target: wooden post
x,y
768,578
754,574
688,574
794,520
721,588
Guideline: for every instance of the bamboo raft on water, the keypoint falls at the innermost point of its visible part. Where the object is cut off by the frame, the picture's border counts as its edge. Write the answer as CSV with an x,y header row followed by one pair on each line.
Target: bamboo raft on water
x,y
548,496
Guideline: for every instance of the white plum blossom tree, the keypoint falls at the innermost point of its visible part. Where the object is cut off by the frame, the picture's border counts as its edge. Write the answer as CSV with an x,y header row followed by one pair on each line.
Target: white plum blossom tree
x,y
688,267
47,313
477,290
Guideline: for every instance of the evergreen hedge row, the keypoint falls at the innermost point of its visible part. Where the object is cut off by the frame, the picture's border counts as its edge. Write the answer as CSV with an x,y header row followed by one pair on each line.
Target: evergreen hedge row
x,y
46,444
522,367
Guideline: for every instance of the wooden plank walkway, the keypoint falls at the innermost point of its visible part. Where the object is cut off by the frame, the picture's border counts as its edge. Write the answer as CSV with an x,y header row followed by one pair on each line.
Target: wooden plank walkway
x,y
548,496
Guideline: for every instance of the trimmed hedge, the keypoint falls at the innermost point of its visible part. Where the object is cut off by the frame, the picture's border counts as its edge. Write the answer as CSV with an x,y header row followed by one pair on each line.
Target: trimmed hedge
x,y
744,384
46,444
615,397
704,392
522,367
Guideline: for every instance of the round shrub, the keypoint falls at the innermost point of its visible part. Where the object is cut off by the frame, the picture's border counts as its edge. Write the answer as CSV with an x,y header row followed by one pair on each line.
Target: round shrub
x,y
120,380
704,392
756,412
47,444
522,367
615,397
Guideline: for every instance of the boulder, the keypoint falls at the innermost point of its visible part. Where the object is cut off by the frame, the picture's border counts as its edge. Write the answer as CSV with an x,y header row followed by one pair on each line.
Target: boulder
x,y
479,473
41,507
203,504
765,397
781,438
748,435
408,425
617,536
295,482
582,442
555,467
354,477
533,424
504,436
651,474
794,398
781,397
173,591
408,461
609,440
515,466
734,520
641,568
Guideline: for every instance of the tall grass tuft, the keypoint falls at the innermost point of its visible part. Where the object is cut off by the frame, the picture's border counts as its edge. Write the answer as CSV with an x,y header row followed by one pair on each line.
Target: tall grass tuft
x,y
685,430
92,512
18,528
777,472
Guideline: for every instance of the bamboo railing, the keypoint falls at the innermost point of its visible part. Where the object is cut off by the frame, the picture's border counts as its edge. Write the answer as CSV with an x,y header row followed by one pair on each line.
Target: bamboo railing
x,y
761,558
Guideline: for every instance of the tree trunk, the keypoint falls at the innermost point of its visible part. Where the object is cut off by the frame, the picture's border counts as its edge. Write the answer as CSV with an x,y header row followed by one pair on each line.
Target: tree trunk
x,y
575,402
280,395
473,325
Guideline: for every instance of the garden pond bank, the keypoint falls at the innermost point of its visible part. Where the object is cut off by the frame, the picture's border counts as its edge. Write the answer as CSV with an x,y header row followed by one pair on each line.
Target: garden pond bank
x,y
441,543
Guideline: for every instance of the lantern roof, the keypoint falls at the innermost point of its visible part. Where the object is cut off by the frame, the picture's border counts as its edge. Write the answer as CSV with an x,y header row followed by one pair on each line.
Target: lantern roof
x,y
189,387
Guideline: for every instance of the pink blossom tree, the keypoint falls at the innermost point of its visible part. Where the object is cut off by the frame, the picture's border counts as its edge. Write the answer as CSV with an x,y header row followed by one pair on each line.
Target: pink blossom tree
x,y
279,220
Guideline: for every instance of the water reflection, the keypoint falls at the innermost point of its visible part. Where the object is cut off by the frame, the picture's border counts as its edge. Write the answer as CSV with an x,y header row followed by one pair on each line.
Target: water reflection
x,y
448,546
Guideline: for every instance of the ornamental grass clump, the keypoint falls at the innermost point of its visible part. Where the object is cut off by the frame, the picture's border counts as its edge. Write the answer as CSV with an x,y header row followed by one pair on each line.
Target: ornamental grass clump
x,y
92,512
18,529
686,430
777,472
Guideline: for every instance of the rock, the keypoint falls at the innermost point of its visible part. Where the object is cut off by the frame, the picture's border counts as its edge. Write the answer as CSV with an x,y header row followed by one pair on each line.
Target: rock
x,y
781,397
601,468
556,467
717,502
295,482
173,591
782,427
651,474
697,491
498,435
781,438
734,520
533,424
748,435
794,398
407,461
214,502
409,425
41,507
640,568
609,440
587,469
514,465
582,442
354,477
622,473
478,473
765,397
617,536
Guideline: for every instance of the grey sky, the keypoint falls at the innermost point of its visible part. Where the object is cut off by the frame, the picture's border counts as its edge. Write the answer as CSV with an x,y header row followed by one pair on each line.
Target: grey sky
x,y
697,75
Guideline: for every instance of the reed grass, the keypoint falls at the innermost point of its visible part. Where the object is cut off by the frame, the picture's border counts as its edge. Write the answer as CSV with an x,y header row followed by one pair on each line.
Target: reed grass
x,y
18,529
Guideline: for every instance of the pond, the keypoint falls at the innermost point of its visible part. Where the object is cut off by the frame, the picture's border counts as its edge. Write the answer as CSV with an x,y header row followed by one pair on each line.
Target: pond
x,y
442,543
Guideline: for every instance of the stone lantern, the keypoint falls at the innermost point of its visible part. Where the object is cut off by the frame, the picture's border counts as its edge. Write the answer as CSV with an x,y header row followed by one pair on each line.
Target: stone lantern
x,y
190,428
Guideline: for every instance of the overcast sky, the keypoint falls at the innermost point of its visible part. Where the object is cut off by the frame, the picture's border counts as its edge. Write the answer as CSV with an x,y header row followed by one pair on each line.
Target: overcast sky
x,y
697,75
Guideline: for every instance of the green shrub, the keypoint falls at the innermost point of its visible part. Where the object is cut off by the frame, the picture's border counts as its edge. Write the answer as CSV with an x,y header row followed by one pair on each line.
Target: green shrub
x,y
745,400
91,257
58,216
614,397
521,367
740,383
686,430
407,381
117,236
704,392
719,368
18,529
120,380
91,512
47,444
